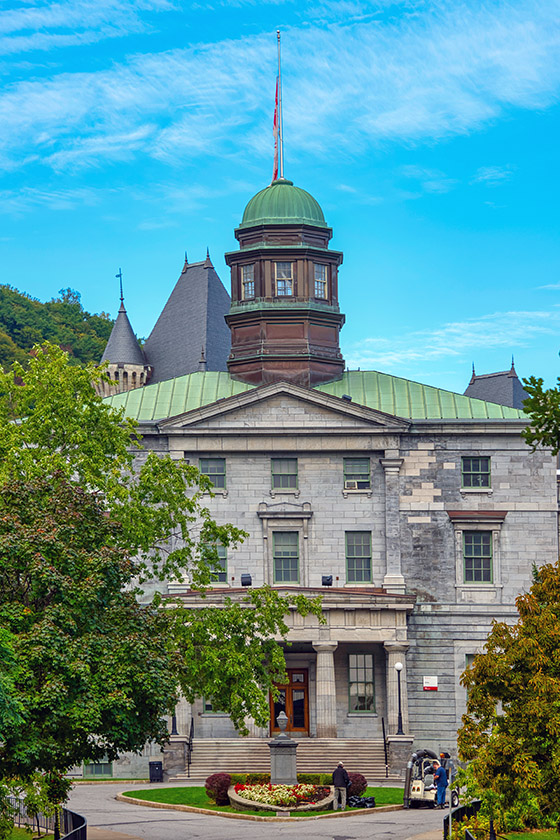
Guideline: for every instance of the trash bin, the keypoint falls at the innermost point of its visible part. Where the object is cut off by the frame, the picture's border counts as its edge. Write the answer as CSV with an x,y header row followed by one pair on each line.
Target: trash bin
x,y
156,771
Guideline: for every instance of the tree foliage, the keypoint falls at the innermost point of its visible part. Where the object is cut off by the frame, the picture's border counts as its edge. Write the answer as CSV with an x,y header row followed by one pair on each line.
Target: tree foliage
x,y
543,406
25,321
89,523
511,732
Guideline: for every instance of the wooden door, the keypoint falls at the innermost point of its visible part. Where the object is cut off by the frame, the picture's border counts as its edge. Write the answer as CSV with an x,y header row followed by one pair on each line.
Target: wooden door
x,y
293,699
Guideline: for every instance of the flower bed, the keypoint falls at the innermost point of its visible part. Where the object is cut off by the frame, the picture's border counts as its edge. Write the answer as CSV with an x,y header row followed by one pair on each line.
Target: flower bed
x,y
280,797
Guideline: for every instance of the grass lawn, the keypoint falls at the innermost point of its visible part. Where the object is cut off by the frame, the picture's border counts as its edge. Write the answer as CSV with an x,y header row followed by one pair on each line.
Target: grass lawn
x,y
533,835
22,834
196,798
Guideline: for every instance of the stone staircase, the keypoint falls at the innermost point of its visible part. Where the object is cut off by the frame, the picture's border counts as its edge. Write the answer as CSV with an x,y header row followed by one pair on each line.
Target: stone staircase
x,y
314,755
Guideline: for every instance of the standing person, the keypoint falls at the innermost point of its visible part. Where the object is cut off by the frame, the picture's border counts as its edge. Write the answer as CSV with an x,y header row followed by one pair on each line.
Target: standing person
x,y
340,781
440,778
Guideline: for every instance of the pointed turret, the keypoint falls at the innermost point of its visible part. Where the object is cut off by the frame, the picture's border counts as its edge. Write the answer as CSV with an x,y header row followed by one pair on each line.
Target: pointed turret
x,y
126,364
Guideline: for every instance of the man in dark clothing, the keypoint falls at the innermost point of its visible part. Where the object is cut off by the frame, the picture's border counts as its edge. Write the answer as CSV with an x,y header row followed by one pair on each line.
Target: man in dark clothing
x,y
340,781
440,778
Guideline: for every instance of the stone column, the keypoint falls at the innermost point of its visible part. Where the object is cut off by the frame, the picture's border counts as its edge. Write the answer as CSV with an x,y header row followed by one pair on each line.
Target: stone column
x,y
396,652
393,580
183,715
326,689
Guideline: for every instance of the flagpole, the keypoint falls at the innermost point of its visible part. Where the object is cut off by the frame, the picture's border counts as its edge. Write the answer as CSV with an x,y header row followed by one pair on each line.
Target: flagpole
x,y
280,126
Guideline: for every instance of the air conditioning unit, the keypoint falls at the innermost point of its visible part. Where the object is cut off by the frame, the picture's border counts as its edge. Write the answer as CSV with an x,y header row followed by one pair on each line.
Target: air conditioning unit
x,y
350,485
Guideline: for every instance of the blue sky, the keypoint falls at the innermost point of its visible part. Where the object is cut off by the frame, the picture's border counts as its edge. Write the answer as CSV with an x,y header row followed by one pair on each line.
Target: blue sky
x,y
131,130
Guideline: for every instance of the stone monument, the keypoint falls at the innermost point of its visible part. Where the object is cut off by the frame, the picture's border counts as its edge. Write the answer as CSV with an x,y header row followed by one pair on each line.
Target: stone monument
x,y
283,763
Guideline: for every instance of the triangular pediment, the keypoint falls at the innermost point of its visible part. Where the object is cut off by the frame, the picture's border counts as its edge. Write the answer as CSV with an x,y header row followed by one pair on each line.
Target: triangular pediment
x,y
287,407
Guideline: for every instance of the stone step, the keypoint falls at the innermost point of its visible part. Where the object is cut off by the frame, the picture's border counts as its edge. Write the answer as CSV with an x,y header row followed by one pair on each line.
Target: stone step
x,y
317,755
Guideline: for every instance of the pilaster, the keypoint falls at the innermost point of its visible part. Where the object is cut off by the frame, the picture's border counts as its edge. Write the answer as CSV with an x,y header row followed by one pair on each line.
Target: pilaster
x,y
393,580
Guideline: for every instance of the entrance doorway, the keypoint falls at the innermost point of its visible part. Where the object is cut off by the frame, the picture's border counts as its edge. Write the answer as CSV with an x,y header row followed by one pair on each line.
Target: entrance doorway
x,y
293,699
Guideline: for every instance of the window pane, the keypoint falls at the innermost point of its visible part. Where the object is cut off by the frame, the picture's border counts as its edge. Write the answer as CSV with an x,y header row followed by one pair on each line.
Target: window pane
x,y
286,556
358,556
248,281
320,280
284,473
284,278
477,553
215,469
358,470
219,553
361,692
475,471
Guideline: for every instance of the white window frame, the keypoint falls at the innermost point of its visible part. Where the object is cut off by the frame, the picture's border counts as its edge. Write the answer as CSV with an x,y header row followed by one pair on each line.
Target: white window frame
x,y
287,280
320,281
248,280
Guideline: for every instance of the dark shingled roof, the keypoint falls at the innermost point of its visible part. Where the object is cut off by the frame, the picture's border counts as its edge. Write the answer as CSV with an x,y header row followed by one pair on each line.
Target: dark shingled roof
x,y
503,388
192,320
122,347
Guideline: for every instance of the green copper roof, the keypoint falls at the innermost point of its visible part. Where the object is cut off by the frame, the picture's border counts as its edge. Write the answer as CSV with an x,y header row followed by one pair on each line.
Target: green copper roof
x,y
390,394
404,398
176,396
283,204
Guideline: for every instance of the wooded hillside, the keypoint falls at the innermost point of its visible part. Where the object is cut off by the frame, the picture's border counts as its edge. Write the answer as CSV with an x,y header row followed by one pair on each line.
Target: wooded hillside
x,y
25,321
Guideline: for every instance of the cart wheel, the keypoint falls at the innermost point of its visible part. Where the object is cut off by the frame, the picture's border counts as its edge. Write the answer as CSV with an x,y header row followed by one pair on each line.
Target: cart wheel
x,y
454,799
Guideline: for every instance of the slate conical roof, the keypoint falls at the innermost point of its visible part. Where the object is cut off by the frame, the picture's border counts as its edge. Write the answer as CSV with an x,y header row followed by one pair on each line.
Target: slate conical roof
x,y
192,318
123,347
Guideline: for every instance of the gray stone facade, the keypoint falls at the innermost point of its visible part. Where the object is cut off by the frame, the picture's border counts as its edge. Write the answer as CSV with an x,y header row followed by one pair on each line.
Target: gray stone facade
x,y
415,607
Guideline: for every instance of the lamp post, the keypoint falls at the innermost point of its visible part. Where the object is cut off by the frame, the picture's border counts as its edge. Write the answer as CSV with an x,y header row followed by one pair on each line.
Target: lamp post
x,y
398,669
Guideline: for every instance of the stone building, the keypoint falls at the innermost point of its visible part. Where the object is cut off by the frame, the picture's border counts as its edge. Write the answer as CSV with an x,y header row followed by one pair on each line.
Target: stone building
x,y
416,513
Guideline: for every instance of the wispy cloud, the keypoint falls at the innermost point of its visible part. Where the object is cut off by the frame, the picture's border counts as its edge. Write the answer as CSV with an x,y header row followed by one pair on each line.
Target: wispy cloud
x,y
13,202
431,180
553,286
492,175
41,25
443,69
453,340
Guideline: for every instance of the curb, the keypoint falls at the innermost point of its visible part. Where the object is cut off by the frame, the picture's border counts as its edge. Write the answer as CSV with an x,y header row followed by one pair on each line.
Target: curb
x,y
192,810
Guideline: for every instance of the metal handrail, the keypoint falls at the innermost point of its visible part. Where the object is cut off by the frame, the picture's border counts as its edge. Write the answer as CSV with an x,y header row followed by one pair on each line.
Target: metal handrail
x,y
189,748
74,825
385,748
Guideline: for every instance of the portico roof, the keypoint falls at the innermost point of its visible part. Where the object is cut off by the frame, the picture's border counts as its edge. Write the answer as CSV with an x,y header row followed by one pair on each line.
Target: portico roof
x,y
380,391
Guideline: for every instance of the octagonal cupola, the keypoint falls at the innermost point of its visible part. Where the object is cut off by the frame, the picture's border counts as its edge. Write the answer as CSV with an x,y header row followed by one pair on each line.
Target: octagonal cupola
x,y
284,316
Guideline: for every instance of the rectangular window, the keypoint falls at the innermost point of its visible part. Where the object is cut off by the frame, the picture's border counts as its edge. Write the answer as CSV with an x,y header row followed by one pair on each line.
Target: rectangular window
x,y
477,555
357,474
248,281
358,556
284,278
475,472
98,768
285,547
219,552
320,280
215,469
209,707
284,473
361,691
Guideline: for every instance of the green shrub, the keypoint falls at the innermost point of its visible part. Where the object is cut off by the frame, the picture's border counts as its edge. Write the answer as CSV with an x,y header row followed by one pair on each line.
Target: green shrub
x,y
258,778
310,779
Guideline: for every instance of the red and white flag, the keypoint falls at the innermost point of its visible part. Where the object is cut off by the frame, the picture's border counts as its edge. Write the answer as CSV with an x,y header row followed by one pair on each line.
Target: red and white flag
x,y
275,132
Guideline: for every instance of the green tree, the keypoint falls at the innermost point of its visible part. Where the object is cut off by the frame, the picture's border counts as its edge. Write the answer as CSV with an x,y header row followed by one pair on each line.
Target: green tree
x,y
511,731
543,406
25,321
82,529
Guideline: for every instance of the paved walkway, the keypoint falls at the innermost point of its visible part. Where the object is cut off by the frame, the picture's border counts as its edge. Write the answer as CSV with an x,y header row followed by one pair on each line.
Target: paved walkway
x,y
112,820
